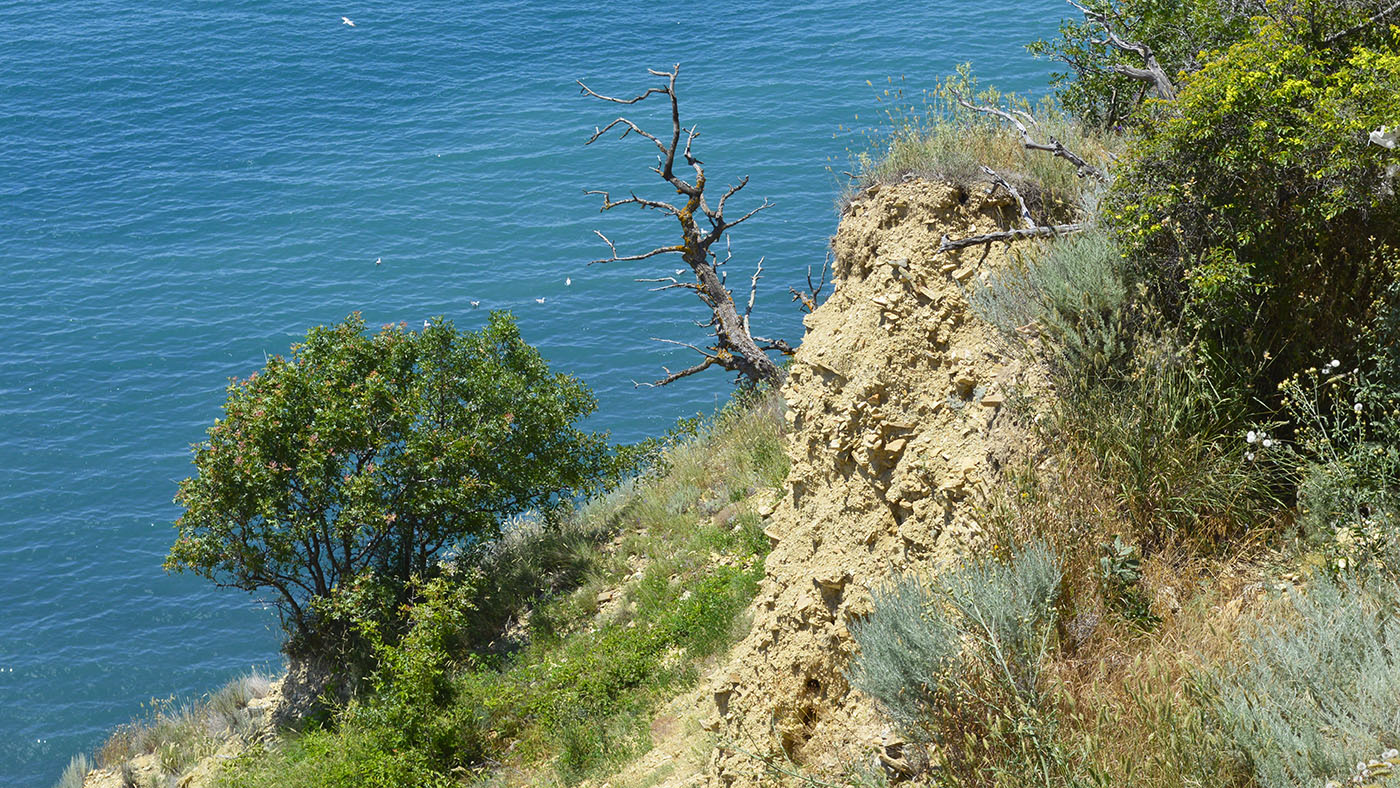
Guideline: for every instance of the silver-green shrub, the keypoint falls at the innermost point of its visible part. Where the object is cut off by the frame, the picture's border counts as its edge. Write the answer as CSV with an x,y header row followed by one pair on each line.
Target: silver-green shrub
x,y
1318,691
955,659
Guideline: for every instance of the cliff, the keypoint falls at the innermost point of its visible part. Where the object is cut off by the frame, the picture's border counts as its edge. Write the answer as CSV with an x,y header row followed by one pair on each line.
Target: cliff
x,y
897,433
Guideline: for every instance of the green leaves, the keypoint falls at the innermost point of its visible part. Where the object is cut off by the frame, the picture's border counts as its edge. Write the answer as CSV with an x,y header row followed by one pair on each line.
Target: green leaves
x,y
1259,208
377,453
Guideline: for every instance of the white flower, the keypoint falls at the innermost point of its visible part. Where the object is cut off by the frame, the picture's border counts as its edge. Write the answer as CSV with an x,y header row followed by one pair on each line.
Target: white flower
x,y
1356,407
1267,442
1251,437
1249,456
1335,363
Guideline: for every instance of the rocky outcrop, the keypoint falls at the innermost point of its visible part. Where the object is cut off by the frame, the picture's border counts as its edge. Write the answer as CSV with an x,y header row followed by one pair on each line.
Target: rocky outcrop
x,y
897,432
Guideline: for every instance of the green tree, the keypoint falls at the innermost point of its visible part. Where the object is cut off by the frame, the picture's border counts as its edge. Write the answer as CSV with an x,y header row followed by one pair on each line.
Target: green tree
x,y
340,474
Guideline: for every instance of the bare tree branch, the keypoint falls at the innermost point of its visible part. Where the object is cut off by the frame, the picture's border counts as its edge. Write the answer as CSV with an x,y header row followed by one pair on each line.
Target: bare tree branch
x,y
1054,148
734,347
1026,220
616,259
809,298
753,291
1371,20
672,377
1044,231
1152,73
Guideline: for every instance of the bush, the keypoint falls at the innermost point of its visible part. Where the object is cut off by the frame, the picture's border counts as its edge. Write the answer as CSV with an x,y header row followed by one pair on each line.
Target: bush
x,y
1316,692
955,661
1075,292
1178,32
1258,210
341,473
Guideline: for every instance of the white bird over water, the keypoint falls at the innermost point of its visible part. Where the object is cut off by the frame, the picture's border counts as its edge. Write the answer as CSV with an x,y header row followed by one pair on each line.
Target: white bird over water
x,y
568,281
345,20
539,300
378,260
476,304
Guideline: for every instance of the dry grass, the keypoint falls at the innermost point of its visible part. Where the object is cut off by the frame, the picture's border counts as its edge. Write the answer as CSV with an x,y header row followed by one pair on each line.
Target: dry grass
x,y
930,135
179,733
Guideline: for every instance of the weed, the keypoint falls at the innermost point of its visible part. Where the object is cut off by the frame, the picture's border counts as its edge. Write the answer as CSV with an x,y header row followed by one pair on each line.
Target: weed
x,y
956,662
931,135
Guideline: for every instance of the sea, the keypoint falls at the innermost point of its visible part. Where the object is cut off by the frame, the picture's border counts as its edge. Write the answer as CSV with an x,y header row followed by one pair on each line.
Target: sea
x,y
186,187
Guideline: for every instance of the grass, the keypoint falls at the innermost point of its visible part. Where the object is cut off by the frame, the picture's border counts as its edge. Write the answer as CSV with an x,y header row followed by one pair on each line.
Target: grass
x,y
583,624
75,773
930,135
180,733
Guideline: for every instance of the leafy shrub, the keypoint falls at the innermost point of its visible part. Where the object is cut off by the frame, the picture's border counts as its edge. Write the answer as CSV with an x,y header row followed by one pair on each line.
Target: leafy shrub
x,y
1177,31
1317,689
1257,209
1120,573
1075,292
955,660
337,475
1346,429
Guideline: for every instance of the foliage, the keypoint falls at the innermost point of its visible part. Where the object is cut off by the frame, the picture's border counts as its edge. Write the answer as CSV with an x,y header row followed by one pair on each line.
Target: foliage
x,y
340,473
1316,691
571,685
179,733
1258,211
1075,293
1120,572
75,772
956,662
1348,460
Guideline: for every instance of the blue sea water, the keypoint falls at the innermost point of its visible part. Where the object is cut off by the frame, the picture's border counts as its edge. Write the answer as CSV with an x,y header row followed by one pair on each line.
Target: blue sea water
x,y
187,186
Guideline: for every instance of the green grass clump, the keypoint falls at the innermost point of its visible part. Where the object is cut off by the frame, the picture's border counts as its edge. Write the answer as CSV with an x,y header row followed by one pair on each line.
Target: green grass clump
x,y
549,658
179,733
75,773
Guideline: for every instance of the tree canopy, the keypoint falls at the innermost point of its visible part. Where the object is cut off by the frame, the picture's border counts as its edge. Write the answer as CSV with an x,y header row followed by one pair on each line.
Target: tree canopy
x,y
371,456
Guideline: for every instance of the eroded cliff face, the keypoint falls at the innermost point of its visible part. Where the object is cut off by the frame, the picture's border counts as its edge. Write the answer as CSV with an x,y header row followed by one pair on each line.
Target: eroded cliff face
x,y
897,435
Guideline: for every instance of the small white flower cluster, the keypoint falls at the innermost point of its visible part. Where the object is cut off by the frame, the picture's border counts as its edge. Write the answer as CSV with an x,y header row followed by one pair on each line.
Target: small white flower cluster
x,y
1259,438
1367,771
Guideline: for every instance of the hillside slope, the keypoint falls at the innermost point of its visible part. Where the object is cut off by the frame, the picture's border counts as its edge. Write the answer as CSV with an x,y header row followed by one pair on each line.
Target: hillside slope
x,y
896,434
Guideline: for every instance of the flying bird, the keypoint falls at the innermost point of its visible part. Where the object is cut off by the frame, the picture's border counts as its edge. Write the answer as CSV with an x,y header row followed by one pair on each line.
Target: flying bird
x,y
378,260
476,304
539,300
568,281
345,20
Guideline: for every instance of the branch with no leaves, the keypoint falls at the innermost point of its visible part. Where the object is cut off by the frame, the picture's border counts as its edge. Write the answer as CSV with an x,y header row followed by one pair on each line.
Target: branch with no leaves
x,y
1043,231
1152,72
814,291
1054,148
1026,220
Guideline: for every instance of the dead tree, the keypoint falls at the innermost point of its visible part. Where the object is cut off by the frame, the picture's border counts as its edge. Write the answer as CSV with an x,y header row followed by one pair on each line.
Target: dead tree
x,y
703,225
1151,72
